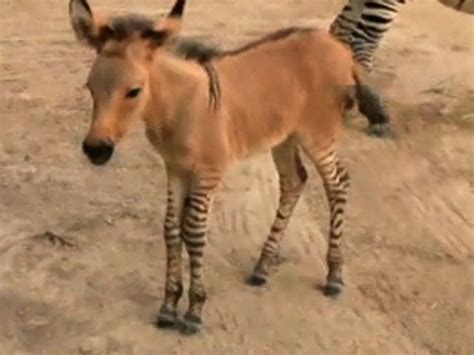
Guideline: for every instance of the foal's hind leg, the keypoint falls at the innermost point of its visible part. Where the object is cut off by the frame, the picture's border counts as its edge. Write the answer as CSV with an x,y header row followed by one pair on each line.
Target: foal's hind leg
x,y
177,190
292,176
336,184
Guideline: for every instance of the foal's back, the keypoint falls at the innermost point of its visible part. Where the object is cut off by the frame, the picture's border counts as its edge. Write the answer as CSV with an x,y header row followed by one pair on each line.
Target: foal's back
x,y
295,83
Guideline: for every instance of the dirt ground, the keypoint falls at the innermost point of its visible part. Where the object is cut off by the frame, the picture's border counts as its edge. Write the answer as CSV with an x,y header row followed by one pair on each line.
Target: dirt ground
x,y
409,240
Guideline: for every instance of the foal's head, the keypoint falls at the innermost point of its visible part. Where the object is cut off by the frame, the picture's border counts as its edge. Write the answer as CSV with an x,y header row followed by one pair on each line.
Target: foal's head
x,y
118,78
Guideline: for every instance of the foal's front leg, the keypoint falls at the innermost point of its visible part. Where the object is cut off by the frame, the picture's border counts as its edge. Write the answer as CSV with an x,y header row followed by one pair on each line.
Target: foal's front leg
x,y
177,190
194,230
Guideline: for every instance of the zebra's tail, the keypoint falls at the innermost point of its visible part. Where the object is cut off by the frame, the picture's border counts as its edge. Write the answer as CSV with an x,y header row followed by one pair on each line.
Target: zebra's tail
x,y
369,102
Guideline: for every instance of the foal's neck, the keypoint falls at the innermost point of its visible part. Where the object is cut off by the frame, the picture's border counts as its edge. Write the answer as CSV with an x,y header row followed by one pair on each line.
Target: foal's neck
x,y
176,85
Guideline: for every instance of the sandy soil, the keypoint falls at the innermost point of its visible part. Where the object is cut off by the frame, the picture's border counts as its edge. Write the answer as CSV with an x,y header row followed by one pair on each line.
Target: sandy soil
x,y
410,236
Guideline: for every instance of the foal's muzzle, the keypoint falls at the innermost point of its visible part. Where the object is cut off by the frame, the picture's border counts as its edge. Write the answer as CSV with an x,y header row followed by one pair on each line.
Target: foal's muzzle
x,y
98,153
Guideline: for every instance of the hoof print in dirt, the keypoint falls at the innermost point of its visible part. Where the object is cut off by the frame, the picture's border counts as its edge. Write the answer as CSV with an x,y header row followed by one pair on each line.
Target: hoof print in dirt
x,y
257,280
190,325
56,240
333,288
166,319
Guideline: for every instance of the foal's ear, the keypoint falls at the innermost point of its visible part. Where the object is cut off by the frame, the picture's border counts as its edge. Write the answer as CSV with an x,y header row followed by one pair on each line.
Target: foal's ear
x,y
173,22
87,25
169,26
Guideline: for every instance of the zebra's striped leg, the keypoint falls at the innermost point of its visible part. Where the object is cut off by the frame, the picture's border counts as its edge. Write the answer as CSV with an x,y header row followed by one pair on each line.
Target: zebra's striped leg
x,y
376,19
194,230
346,21
172,234
336,184
292,176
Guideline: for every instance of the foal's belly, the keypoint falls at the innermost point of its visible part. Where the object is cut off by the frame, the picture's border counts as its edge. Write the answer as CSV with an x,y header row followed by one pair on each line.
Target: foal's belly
x,y
261,134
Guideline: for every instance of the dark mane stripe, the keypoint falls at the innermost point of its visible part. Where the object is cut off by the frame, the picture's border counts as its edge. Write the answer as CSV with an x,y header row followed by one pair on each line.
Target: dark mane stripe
x,y
271,37
123,27
203,52
214,86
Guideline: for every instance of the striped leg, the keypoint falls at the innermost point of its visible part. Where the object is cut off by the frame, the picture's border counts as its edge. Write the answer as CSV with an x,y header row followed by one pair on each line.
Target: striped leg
x,y
336,184
376,19
172,235
361,25
292,176
346,21
194,228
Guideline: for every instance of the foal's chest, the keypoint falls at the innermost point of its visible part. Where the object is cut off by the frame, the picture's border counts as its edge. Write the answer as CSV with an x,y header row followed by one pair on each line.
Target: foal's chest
x,y
172,148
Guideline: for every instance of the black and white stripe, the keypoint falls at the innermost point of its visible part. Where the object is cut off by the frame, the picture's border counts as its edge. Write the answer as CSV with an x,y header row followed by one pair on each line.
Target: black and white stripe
x,y
362,25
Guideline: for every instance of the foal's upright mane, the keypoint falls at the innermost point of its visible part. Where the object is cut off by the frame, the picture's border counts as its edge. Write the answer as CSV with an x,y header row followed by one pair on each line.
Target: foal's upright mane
x,y
204,52
123,27
194,49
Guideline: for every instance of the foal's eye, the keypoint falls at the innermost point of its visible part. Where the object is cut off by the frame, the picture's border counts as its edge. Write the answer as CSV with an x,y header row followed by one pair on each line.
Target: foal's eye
x,y
133,93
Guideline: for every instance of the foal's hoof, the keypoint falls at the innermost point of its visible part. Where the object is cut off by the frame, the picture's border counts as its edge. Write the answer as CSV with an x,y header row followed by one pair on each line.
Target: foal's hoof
x,y
191,325
333,288
166,319
381,130
257,280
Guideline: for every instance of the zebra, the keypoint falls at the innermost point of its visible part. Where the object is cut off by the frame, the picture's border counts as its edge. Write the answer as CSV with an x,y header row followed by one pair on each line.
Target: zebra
x,y
362,24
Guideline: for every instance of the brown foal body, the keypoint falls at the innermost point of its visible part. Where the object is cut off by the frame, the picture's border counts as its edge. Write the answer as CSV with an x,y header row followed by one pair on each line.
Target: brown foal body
x,y
205,109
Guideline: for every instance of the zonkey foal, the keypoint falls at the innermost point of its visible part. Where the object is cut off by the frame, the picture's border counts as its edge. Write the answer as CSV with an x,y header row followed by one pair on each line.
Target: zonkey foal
x,y
204,109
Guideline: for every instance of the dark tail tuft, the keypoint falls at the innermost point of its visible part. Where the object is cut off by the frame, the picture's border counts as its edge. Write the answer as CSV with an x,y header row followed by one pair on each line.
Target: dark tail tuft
x,y
369,103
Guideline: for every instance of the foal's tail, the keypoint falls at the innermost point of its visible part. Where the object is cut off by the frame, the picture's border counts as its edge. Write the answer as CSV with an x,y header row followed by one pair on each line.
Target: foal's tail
x,y
368,101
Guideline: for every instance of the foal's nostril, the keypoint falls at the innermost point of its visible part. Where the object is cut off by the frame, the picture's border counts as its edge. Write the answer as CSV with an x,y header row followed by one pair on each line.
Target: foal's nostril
x,y
99,153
